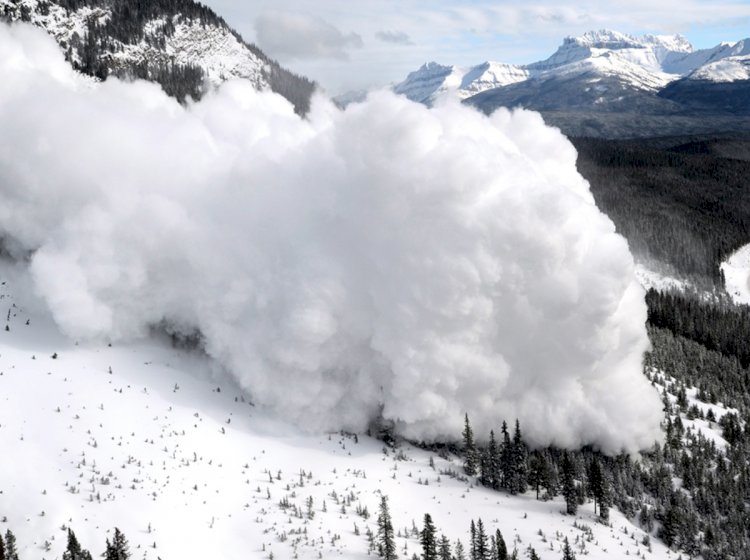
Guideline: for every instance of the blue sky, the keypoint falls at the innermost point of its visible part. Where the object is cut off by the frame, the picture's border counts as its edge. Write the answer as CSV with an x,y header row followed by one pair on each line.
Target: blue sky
x,y
354,44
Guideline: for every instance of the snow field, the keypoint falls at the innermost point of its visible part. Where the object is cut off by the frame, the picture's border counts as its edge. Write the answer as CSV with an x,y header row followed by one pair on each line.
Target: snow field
x,y
155,441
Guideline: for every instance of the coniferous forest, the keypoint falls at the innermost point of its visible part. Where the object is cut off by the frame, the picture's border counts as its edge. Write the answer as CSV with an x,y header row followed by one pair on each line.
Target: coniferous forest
x,y
682,203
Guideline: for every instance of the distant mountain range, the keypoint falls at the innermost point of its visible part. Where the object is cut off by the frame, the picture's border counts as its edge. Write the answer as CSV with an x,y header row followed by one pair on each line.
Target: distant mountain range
x,y
607,83
181,44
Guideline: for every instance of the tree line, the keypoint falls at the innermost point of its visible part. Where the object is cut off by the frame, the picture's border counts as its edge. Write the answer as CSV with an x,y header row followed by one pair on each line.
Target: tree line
x,y
116,549
480,544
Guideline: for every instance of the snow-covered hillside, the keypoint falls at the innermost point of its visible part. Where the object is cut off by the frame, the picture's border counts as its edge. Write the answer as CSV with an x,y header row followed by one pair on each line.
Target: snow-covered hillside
x,y
156,442
214,48
646,63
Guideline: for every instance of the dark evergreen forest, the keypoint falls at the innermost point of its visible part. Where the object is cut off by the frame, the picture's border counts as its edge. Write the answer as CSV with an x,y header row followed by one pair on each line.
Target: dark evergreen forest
x,y
683,203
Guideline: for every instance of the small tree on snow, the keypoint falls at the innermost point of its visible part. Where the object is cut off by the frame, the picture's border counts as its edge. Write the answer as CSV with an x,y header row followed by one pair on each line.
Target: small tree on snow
x,y
428,539
118,549
386,539
470,450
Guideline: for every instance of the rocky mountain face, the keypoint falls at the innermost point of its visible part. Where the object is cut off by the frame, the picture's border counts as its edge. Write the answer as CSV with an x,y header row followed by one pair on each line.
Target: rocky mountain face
x,y
181,44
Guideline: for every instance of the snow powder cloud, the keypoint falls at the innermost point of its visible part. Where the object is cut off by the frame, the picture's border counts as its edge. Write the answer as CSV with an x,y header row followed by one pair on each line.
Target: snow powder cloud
x,y
387,259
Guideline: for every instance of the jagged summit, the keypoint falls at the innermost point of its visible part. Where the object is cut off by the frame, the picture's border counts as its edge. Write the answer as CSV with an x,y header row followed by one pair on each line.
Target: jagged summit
x,y
605,69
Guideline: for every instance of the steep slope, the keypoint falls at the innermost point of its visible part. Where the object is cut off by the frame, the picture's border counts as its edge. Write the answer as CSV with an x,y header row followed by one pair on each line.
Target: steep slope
x,y
150,439
182,45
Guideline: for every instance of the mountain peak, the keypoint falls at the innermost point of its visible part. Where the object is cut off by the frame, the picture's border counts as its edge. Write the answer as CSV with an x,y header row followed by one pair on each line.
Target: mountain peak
x,y
610,39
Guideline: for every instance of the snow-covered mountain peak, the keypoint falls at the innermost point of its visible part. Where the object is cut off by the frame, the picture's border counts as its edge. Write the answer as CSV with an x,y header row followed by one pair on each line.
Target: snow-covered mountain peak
x,y
602,39
672,43
614,40
730,69
645,63
490,75
429,80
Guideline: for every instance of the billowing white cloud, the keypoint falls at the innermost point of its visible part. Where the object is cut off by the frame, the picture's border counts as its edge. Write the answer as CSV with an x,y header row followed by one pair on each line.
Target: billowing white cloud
x,y
290,35
417,263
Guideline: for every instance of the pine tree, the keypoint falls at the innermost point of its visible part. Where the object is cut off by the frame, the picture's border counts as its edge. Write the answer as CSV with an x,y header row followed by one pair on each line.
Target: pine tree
x,y
600,488
538,471
74,550
386,540
428,540
501,550
533,555
670,528
470,450
118,549
11,551
567,551
595,481
492,463
444,551
2,548
519,462
506,459
459,550
569,485
482,547
473,540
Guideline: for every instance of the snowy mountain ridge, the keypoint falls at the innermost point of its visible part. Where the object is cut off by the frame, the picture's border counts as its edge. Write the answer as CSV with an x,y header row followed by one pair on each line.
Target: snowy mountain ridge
x,y
211,47
184,50
647,63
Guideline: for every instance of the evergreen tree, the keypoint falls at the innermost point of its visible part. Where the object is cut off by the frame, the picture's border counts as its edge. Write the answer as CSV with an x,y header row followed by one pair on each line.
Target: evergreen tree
x,y
470,450
11,551
444,550
569,485
519,462
491,463
386,539
538,471
670,528
74,550
567,551
501,550
118,549
2,548
506,460
459,550
428,539
533,555
600,488
473,541
482,549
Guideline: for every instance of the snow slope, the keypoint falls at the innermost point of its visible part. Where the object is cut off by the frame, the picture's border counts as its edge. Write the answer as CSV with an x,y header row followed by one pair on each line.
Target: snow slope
x,y
214,48
157,442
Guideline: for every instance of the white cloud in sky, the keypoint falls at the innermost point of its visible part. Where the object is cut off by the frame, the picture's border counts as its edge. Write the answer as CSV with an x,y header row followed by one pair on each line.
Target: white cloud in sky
x,y
395,37
289,35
